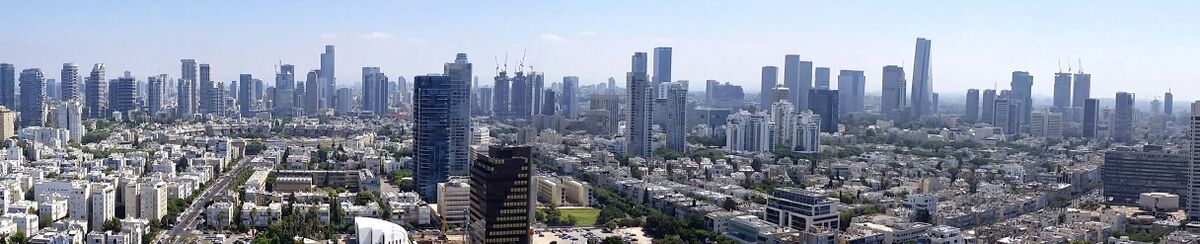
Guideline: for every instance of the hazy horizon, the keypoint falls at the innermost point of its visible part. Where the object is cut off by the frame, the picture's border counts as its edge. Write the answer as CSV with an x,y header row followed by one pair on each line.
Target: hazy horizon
x,y
1135,47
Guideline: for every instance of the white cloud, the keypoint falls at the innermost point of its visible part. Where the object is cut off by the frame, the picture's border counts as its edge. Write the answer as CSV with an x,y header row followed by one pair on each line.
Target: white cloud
x,y
377,35
552,38
586,33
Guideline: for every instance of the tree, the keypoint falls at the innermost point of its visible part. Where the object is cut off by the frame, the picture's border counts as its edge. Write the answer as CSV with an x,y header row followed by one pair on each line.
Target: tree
x,y
255,147
113,225
612,240
729,204
18,237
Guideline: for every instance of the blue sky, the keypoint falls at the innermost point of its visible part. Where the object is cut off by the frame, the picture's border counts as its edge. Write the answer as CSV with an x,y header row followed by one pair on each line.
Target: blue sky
x,y
1142,47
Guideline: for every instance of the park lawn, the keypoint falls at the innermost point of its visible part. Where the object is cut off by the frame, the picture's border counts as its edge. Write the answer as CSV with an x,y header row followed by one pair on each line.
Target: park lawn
x,y
583,216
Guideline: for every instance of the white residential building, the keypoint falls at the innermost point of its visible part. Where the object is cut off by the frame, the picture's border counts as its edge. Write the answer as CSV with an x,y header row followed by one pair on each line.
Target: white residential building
x,y
454,198
104,204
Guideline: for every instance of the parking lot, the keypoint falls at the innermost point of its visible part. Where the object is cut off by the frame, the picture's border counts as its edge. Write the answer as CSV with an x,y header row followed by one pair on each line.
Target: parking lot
x,y
582,234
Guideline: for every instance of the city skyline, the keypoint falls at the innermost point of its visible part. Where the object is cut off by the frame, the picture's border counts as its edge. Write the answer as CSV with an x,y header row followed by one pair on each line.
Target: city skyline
x,y
986,42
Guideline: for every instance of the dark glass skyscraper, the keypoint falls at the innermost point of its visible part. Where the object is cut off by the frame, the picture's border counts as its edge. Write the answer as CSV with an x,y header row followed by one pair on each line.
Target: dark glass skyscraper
x,y
892,98
676,112
69,86
922,88
851,91
570,97
821,78
442,126
825,104
989,106
501,196
155,94
770,77
33,98
971,112
8,86
798,77
327,75
1022,92
95,97
124,94
1082,89
1062,90
1091,115
1168,103
1122,130
662,69
246,95
500,95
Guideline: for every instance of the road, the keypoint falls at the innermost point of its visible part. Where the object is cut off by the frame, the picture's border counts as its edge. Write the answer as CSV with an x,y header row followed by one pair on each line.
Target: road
x,y
188,217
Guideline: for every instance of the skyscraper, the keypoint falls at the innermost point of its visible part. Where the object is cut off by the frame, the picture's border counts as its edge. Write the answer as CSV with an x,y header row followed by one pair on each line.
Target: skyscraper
x,y
69,86
371,90
1046,124
821,77
852,91
205,92
892,99
1122,129
806,132
155,94
797,76
124,94
745,131
549,103
8,86
922,90
33,96
972,110
519,97
1168,103
95,99
285,82
501,196
1062,90
535,81
500,95
570,97
1091,117
989,106
69,115
1083,89
1022,92
314,93
441,115
770,77
187,89
246,95
662,70
327,75
782,133
641,105
676,122
1006,115
825,104
1193,185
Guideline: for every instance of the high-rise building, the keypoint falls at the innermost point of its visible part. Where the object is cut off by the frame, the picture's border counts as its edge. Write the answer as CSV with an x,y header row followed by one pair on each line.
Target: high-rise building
x,y
186,97
549,103
607,107
8,86
500,94
1193,183
1006,116
806,132
535,85
442,123
662,70
52,89
1155,107
155,94
851,91
69,115
801,210
570,97
1062,90
519,97
745,131
314,93
1122,128
1129,172
782,113
246,95
892,99
33,98
798,77
345,101
770,77
922,88
103,204
779,93
502,197
95,100
934,103
69,86
285,82
641,105
1083,89
205,92
485,101
676,114
1168,104
989,106
1022,92
328,75
821,77
971,112
1091,113
374,94
124,94
824,103
1046,124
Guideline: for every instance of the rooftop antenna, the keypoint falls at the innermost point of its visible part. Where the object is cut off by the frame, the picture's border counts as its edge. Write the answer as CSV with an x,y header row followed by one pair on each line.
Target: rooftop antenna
x,y
1060,66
